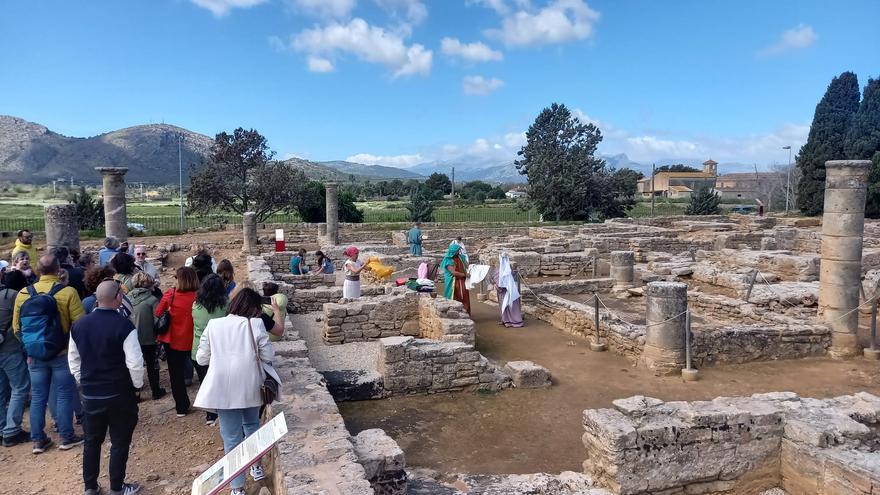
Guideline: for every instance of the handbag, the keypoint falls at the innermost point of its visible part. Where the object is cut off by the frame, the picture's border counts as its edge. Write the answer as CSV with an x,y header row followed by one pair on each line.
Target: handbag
x,y
163,323
269,387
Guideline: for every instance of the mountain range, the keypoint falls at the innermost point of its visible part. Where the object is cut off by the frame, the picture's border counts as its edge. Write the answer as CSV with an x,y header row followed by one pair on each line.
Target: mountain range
x,y
31,153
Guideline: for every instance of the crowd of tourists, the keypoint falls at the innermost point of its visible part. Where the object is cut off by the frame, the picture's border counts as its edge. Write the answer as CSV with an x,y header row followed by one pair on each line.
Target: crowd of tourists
x,y
78,332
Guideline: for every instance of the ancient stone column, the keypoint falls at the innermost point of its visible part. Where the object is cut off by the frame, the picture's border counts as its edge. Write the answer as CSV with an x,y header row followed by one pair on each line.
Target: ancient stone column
x,y
249,226
622,268
115,215
332,213
62,227
664,350
841,269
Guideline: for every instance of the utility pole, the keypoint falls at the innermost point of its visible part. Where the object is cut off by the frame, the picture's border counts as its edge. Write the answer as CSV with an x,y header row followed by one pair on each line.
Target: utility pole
x,y
453,194
180,177
787,179
653,171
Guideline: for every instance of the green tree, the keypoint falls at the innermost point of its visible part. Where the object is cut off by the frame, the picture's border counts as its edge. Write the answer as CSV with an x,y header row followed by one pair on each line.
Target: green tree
x,y
420,207
239,175
624,184
863,142
437,185
704,201
89,210
497,192
566,179
312,207
475,190
828,132
680,167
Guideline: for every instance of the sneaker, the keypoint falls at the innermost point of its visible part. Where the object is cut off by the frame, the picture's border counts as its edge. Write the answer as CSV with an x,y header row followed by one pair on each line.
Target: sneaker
x,y
127,489
92,491
257,472
41,446
210,422
238,491
160,393
20,437
71,442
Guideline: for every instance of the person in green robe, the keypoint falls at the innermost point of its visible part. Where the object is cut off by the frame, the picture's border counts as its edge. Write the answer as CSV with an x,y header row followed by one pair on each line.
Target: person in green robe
x,y
414,238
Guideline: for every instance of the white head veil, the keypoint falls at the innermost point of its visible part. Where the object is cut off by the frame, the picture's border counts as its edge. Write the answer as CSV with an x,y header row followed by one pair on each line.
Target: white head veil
x,y
507,282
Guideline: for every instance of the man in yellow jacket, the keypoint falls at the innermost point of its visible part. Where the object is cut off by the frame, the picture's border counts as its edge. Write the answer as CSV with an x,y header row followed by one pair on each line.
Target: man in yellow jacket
x,y
25,243
55,372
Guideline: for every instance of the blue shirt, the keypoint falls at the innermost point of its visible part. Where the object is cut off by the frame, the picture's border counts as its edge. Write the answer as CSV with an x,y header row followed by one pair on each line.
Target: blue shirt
x,y
328,266
104,256
296,267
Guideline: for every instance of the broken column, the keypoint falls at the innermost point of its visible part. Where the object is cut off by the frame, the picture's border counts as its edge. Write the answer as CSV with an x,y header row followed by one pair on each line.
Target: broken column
x,y
622,268
332,189
664,351
840,272
249,226
62,227
115,215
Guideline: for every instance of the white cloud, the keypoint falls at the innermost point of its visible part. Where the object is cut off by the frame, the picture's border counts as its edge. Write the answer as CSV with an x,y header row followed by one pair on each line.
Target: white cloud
x,y
324,8
608,130
561,21
414,11
222,7
470,52
369,43
400,161
795,38
650,146
318,64
515,140
480,86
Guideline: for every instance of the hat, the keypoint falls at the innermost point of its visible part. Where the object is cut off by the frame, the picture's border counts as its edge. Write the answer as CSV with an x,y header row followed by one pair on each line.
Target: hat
x,y
3,265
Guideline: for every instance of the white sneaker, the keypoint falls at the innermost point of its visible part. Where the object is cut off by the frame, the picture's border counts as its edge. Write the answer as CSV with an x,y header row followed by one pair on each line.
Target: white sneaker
x,y
257,472
238,491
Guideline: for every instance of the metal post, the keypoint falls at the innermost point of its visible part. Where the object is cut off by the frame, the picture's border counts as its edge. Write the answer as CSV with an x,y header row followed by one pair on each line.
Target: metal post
x,y
872,352
180,178
689,374
653,172
751,285
595,267
452,214
597,346
787,178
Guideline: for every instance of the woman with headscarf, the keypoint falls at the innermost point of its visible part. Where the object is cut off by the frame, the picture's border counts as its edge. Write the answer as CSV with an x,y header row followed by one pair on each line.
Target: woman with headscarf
x,y
507,290
351,288
454,270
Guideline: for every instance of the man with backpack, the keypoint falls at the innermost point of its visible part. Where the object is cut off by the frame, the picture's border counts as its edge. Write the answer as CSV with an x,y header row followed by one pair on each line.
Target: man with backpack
x,y
15,383
41,320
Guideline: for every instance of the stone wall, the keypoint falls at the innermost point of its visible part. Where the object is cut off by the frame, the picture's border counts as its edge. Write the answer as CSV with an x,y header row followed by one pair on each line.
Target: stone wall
x,y
732,344
784,264
311,300
371,319
421,366
532,263
404,313
735,445
579,319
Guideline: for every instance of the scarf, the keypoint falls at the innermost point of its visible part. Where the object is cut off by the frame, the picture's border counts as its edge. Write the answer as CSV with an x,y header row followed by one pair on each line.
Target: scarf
x,y
448,278
507,282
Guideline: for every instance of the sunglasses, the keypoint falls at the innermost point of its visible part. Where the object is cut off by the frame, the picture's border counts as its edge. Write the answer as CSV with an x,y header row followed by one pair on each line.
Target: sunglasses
x,y
140,254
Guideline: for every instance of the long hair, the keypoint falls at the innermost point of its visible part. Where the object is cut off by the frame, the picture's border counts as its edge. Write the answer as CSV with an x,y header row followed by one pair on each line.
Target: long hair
x,y
320,256
212,293
226,272
123,263
247,303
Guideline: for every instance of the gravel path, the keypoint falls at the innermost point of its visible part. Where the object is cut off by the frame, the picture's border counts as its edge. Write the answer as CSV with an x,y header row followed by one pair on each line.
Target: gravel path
x,y
353,356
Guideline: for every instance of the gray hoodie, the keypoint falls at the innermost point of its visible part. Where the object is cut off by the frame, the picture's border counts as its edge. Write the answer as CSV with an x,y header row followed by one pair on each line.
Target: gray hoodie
x,y
143,308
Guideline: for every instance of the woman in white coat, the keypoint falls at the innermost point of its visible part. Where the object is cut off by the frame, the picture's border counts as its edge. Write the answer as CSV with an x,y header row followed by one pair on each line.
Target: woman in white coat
x,y
237,351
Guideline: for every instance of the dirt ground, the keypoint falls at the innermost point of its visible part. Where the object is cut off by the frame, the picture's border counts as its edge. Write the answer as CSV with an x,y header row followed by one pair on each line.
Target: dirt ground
x,y
167,452
526,431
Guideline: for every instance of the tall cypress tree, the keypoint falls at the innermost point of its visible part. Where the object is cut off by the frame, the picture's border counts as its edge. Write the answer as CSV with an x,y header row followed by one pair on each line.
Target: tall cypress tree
x,y
825,142
863,142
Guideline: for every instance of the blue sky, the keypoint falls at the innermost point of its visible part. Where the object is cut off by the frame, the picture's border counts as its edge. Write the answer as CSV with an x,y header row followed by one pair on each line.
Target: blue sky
x,y
399,82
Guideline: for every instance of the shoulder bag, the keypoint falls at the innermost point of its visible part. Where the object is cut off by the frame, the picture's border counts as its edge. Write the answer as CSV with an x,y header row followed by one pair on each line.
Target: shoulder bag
x,y
163,323
269,387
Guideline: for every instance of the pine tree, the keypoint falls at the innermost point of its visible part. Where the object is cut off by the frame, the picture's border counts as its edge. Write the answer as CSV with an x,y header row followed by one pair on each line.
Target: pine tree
x,y
704,201
826,139
420,207
863,142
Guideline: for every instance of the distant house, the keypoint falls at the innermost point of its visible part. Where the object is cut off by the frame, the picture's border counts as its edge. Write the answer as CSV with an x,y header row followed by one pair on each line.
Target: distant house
x,y
744,185
679,185
515,194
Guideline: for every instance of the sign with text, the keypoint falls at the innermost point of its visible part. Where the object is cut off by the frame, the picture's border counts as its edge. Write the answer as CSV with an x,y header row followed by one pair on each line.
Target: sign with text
x,y
241,457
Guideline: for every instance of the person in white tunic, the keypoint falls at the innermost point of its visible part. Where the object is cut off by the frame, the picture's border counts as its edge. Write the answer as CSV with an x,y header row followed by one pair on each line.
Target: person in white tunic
x,y
351,287
238,353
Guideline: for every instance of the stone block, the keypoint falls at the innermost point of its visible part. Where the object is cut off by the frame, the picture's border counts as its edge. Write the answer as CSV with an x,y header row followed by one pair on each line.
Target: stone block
x,y
526,374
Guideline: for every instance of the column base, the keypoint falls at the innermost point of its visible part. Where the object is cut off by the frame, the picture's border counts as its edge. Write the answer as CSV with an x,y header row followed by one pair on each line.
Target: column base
x,y
871,354
844,346
663,362
689,375
598,347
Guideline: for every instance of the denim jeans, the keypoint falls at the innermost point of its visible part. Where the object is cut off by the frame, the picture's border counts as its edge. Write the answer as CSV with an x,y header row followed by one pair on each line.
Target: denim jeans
x,y
235,426
13,378
44,375
53,404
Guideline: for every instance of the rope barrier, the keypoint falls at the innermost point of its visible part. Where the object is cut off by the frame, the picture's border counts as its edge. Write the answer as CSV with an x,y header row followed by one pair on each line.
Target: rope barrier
x,y
781,299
